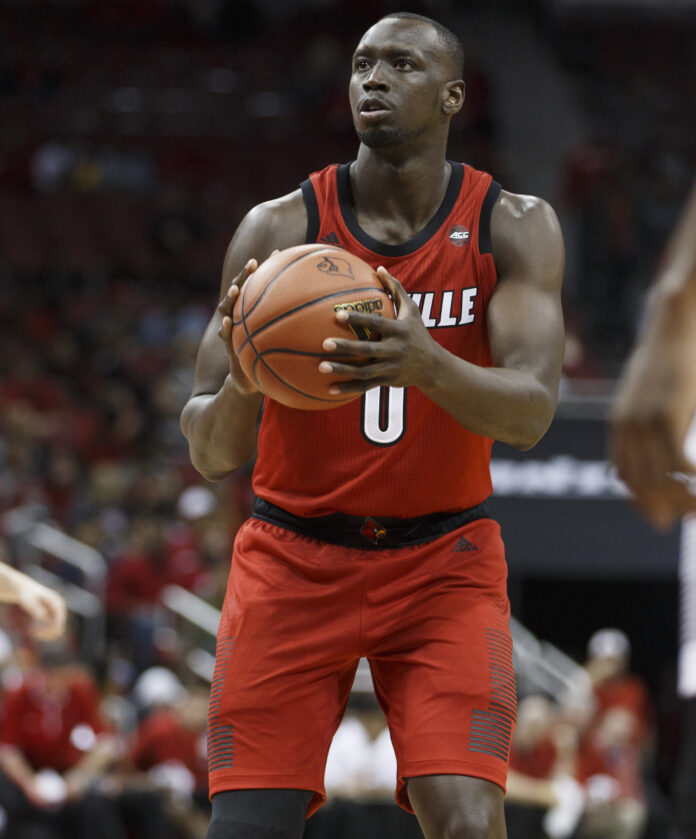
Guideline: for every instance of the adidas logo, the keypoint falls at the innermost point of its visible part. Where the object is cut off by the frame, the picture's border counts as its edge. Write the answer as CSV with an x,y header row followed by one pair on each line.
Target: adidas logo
x,y
331,239
463,544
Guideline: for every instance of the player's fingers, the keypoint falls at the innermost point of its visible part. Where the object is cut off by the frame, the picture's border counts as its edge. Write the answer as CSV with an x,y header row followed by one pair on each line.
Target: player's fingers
x,y
663,505
251,266
642,456
48,613
373,323
654,510
356,379
396,290
358,349
226,305
225,330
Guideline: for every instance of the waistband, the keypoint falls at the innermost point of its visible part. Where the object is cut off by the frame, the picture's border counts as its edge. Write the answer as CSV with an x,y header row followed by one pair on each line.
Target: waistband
x,y
368,533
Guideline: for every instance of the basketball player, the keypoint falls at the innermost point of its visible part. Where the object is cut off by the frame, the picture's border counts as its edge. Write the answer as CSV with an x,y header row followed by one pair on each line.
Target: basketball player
x,y
655,453
370,536
45,607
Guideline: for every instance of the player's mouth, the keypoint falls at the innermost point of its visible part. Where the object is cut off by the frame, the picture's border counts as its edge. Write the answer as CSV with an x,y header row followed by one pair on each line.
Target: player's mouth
x,y
371,109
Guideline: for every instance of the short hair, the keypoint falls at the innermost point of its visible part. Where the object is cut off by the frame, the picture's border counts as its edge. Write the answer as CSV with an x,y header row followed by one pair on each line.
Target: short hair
x,y
453,46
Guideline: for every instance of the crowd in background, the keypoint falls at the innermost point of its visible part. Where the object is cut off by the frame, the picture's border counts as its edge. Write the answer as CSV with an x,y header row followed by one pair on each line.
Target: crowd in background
x,y
127,749
133,136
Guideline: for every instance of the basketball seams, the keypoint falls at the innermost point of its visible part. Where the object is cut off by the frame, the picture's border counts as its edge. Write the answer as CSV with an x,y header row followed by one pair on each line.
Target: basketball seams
x,y
286,384
281,354
244,313
283,315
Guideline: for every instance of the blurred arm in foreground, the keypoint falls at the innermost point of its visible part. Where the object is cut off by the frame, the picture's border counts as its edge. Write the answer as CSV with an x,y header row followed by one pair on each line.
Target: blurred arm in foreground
x,y
45,607
656,397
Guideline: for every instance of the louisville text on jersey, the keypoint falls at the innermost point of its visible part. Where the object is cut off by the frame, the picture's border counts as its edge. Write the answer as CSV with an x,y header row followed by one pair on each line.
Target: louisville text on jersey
x,y
446,308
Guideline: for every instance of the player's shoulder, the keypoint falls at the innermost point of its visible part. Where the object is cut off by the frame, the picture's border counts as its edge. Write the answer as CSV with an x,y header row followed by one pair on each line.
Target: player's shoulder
x,y
281,221
524,225
272,225
517,210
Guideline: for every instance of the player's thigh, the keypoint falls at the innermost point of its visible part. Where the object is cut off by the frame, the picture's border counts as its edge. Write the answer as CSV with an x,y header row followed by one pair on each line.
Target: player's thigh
x,y
259,814
445,675
457,807
285,662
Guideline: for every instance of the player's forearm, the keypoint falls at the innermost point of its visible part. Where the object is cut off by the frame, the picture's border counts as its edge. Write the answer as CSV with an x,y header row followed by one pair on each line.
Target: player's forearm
x,y
15,766
221,430
9,590
677,277
508,405
96,761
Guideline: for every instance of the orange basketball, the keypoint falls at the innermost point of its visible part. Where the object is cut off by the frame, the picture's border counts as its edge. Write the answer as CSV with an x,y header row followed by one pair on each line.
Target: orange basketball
x,y
285,311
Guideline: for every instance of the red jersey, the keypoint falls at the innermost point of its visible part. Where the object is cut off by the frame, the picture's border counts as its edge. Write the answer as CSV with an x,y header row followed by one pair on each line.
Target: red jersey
x,y
161,737
393,452
44,724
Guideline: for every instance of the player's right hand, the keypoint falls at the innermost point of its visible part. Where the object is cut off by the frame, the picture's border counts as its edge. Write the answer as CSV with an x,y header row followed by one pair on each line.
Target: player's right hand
x,y
238,378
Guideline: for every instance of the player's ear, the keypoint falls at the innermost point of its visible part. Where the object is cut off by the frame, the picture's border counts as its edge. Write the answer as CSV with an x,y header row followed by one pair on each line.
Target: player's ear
x,y
453,95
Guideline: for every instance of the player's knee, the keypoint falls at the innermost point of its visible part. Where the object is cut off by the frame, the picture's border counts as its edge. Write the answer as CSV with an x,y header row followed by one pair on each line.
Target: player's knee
x,y
470,825
458,807
259,814
228,827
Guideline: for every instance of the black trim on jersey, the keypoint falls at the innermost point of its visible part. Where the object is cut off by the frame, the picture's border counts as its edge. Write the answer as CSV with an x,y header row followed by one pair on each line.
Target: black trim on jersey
x,y
348,531
346,208
484,239
312,207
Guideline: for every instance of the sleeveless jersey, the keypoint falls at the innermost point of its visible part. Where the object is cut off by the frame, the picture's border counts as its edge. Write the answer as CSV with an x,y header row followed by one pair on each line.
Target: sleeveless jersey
x,y
393,452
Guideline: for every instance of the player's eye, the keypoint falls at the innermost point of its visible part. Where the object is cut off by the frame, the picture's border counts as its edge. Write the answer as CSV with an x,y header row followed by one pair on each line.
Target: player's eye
x,y
403,64
361,64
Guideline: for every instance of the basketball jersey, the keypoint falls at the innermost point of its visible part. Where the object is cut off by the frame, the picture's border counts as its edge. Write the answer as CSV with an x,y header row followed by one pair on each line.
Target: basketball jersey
x,y
393,452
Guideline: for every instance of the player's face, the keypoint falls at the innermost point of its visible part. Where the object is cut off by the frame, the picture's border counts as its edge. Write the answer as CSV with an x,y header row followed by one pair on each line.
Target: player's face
x,y
397,82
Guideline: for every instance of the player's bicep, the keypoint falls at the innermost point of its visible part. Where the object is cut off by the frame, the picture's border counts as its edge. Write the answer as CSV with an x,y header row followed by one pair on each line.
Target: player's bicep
x,y
525,317
276,224
526,332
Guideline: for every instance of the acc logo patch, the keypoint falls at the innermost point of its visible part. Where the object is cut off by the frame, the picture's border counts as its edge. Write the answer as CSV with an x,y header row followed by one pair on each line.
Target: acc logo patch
x,y
459,236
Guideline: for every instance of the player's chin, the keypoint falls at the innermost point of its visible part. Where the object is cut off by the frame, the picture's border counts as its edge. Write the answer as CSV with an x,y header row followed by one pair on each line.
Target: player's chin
x,y
379,136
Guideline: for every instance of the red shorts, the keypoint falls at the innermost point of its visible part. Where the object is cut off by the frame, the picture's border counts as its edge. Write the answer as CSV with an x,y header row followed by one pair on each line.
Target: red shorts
x,y
432,620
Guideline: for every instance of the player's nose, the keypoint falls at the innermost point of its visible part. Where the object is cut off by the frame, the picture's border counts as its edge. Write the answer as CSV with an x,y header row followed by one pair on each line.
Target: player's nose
x,y
377,79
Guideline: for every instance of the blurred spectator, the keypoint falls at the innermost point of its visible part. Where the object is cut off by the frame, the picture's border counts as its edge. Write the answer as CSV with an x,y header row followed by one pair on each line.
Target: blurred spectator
x,y
54,750
170,745
543,797
608,661
361,764
360,780
610,766
615,747
150,561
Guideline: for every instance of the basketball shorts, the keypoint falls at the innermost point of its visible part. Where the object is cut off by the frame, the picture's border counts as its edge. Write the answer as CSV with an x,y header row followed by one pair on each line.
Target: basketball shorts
x,y
433,621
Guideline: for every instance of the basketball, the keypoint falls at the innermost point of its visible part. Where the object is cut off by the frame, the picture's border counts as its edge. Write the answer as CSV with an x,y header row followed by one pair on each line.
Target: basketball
x,y
285,311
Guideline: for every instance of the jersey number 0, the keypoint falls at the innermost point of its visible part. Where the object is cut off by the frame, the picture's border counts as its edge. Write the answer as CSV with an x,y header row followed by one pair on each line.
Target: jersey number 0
x,y
384,415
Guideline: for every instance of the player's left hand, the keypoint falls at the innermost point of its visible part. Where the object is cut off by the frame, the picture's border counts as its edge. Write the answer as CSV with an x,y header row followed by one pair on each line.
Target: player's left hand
x,y
45,607
650,417
404,355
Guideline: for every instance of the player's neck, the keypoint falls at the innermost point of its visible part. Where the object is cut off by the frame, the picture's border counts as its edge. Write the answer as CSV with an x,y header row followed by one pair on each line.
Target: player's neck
x,y
408,189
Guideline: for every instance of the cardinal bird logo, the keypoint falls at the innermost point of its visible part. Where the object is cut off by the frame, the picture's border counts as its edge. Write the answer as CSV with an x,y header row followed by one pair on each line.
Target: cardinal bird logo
x,y
336,266
373,531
